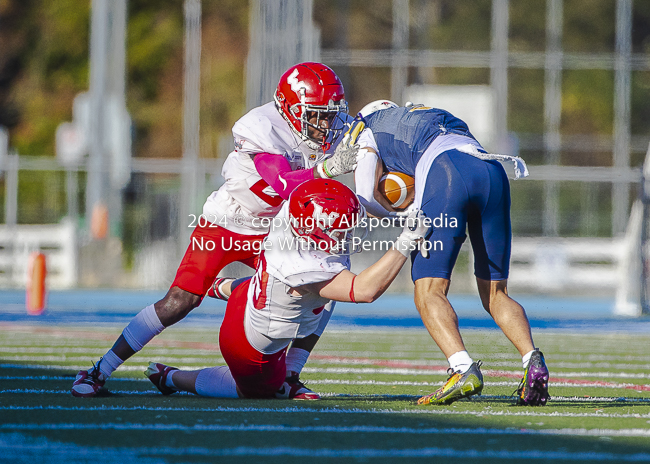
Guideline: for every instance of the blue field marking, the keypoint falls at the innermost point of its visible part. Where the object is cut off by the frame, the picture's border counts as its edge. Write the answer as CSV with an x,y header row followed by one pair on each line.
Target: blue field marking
x,y
16,447
117,307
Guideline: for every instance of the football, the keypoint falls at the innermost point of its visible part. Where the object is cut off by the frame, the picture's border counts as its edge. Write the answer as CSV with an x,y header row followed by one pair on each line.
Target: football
x,y
398,188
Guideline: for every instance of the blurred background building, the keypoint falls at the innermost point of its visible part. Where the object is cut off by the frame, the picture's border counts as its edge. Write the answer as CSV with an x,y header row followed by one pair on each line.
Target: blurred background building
x,y
115,119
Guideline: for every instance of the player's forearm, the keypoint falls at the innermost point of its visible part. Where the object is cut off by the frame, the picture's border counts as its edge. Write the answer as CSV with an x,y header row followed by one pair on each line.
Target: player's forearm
x,y
372,282
366,178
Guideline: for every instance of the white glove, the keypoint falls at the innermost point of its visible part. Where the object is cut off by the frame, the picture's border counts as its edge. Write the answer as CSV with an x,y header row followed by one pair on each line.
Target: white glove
x,y
415,228
405,213
346,155
343,160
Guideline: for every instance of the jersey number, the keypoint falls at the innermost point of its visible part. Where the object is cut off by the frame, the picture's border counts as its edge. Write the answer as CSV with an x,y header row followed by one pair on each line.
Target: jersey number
x,y
258,189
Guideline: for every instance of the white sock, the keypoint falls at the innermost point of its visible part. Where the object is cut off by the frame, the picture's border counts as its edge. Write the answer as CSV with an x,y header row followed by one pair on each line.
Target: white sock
x,y
216,382
460,362
110,362
169,382
142,328
525,359
296,360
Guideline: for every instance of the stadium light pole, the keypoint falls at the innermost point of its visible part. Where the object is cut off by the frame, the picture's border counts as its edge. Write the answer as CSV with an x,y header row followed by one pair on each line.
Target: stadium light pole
x,y
400,45
96,179
622,113
191,111
499,71
552,111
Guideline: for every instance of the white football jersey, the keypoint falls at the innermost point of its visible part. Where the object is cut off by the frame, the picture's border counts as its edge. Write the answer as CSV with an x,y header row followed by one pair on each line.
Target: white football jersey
x,y
272,311
245,197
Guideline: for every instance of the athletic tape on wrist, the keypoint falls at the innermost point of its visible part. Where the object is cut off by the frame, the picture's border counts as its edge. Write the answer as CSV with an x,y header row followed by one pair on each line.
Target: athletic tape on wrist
x,y
327,173
321,171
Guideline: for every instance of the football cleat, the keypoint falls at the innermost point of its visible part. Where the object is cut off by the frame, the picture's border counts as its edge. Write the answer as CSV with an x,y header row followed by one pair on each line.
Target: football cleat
x,y
458,386
88,383
533,389
215,291
158,373
294,389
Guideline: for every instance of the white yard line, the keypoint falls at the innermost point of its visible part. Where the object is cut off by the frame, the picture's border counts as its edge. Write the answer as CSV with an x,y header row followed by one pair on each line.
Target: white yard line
x,y
347,382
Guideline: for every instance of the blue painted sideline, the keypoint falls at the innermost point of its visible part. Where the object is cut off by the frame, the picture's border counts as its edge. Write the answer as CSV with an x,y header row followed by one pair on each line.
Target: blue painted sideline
x,y
106,306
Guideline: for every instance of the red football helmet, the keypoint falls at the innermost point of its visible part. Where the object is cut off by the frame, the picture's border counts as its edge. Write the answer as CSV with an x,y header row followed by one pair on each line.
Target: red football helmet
x,y
325,212
308,88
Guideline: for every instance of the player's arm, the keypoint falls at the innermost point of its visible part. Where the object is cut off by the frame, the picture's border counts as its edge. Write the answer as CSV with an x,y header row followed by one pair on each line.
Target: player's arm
x,y
276,171
366,179
372,282
368,285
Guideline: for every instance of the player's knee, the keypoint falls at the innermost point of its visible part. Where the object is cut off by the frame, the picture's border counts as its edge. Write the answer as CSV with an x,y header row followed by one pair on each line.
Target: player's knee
x,y
176,304
431,287
492,292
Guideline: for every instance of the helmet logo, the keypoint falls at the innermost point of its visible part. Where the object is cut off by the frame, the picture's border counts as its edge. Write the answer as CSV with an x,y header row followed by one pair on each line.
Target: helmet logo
x,y
296,85
322,219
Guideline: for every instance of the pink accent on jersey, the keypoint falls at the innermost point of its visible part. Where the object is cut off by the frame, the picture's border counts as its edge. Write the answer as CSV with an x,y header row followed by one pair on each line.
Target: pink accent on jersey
x,y
276,171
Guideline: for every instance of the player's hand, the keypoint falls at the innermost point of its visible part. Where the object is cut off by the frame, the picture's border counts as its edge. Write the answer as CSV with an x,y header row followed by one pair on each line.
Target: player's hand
x,y
343,160
347,153
416,226
408,211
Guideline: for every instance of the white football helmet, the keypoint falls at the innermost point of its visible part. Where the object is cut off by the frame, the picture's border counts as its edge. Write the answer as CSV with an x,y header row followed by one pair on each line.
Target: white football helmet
x,y
376,106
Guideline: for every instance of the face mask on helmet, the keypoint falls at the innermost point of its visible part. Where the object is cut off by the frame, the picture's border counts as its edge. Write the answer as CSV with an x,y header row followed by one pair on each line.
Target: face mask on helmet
x,y
310,97
326,214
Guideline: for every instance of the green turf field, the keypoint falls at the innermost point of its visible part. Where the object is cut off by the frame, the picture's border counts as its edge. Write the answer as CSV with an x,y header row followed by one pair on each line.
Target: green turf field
x,y
599,410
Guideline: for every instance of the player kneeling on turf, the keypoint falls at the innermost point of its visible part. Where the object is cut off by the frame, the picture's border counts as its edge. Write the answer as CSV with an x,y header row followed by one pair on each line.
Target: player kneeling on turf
x,y
302,268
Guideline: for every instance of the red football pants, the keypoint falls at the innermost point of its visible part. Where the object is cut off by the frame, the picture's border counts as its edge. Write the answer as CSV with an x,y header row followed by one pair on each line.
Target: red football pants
x,y
257,375
210,250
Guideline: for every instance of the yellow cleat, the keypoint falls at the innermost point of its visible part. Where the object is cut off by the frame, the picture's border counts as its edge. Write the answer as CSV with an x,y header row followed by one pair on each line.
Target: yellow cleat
x,y
457,386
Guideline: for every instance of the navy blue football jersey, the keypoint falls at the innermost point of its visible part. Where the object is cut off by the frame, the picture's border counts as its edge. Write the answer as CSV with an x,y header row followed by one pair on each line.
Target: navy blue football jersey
x,y
404,134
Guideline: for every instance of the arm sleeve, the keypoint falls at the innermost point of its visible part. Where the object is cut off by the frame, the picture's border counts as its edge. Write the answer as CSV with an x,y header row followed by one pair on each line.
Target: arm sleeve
x,y
364,180
276,171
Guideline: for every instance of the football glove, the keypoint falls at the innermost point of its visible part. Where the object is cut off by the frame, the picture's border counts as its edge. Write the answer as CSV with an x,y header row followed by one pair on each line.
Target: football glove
x,y
416,226
346,155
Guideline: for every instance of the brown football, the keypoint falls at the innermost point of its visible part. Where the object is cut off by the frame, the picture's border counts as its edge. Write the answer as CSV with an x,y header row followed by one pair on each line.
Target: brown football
x,y
398,188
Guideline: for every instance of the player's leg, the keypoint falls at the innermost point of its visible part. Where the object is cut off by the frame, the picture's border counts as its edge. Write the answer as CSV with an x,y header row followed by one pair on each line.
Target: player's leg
x,y
490,234
148,323
257,375
440,319
211,382
438,315
298,354
196,272
444,202
507,313
222,287
301,348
